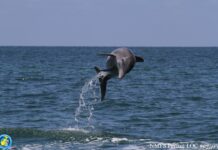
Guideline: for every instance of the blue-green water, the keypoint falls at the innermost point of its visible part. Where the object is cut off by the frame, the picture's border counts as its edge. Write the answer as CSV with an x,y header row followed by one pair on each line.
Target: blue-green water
x,y
169,100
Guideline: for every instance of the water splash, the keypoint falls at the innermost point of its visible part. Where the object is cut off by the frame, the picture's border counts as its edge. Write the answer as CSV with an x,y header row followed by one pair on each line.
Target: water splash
x,y
88,97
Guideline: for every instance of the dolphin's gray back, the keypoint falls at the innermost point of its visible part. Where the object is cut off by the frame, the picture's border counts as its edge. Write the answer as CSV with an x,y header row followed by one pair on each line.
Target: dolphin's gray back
x,y
123,60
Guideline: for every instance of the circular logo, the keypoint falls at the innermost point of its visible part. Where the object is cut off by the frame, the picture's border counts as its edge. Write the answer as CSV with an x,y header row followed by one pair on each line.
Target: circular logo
x,y
5,141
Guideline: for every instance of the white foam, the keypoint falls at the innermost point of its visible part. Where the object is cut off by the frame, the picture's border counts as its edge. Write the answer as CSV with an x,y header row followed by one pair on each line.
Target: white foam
x,y
87,140
75,129
117,140
32,147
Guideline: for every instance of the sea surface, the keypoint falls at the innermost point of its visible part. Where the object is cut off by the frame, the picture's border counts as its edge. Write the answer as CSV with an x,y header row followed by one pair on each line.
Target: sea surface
x,y
49,99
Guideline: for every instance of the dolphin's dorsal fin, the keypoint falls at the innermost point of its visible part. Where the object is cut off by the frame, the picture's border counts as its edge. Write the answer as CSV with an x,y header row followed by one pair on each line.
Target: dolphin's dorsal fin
x,y
139,59
106,54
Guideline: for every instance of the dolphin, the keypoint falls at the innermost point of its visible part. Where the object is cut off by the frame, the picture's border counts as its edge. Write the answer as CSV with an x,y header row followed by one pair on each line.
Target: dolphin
x,y
119,62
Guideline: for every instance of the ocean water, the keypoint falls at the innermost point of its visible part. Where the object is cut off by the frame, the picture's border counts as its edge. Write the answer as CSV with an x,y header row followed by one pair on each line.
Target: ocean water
x,y
49,99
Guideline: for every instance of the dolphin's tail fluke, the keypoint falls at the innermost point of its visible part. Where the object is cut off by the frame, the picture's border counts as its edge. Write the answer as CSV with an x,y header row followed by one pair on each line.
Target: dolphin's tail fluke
x,y
103,77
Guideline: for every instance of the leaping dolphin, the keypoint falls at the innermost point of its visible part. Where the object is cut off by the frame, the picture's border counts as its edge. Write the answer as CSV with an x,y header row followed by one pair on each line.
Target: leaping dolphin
x,y
119,63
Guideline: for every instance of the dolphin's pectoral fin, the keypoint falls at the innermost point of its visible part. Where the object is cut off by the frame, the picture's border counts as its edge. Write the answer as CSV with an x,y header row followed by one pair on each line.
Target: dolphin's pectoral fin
x,y
97,69
106,54
139,59
103,86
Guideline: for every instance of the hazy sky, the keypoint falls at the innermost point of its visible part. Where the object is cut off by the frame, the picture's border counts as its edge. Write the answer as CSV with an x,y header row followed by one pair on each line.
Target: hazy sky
x,y
109,22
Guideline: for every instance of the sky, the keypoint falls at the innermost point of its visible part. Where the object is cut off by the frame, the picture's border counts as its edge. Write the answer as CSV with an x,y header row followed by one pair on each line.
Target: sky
x,y
108,22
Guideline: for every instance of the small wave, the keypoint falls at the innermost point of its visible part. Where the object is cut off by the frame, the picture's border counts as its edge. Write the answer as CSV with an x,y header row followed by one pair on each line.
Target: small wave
x,y
117,143
68,134
134,147
68,138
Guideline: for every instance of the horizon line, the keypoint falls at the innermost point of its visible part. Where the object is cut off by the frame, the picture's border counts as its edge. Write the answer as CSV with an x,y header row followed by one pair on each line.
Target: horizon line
x,y
100,46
